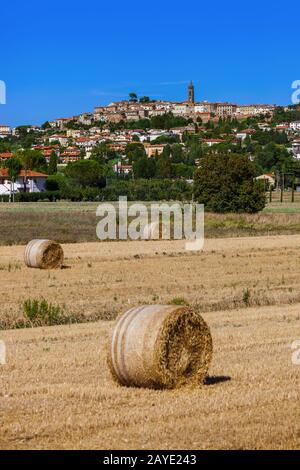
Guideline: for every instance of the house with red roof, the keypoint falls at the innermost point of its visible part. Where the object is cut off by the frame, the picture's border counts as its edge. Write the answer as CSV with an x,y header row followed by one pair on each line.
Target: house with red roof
x,y
27,180
245,133
211,142
6,155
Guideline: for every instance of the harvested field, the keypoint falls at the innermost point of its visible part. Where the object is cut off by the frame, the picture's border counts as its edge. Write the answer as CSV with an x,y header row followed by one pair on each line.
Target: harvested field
x,y
56,390
103,279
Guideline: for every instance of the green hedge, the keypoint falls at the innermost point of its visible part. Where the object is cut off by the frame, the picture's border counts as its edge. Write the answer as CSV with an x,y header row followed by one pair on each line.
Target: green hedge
x,y
135,190
34,197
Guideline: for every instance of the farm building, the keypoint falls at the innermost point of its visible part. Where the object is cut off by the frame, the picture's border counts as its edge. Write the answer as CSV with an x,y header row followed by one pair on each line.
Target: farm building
x,y
268,177
29,181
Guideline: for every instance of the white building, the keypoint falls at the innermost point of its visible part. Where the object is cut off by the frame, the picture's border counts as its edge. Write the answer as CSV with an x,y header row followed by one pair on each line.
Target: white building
x,y
295,126
200,108
5,130
154,134
62,139
255,109
181,109
267,177
245,133
121,169
296,149
32,180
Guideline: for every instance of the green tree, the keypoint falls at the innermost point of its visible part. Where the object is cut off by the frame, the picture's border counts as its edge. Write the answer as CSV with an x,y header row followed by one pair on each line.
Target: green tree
x,y
52,167
22,131
56,182
85,173
102,153
31,160
45,126
272,157
13,166
226,183
135,151
177,153
144,168
145,99
133,97
181,170
163,167
166,139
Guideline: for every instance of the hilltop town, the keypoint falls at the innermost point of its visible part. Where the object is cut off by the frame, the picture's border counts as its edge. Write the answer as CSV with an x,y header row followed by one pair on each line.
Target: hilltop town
x,y
151,139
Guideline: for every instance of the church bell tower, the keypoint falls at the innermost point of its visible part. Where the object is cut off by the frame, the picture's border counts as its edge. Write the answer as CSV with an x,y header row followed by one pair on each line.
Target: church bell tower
x,y
191,93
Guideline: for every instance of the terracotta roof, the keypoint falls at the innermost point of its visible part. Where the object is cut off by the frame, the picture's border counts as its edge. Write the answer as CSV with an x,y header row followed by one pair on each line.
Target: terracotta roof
x,y
60,136
247,131
28,173
46,147
6,155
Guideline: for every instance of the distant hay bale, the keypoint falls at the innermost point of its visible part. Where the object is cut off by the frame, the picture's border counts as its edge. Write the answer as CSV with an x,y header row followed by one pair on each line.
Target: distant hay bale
x,y
43,254
160,346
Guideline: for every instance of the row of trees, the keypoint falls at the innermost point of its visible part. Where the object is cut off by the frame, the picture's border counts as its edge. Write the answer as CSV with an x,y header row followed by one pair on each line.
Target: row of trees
x,y
224,183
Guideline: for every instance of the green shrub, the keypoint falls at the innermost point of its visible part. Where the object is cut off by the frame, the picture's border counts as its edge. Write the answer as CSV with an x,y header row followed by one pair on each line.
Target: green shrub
x,y
179,301
55,182
40,313
226,183
246,297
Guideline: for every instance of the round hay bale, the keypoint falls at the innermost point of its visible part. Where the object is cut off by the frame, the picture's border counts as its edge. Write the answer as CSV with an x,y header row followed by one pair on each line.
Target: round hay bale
x,y
160,346
43,254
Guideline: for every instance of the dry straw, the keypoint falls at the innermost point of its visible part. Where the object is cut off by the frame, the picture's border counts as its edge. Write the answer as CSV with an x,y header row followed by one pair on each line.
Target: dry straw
x,y
43,254
160,346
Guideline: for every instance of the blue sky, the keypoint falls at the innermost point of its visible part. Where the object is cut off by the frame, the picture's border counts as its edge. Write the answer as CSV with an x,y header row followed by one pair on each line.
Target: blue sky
x,y
61,58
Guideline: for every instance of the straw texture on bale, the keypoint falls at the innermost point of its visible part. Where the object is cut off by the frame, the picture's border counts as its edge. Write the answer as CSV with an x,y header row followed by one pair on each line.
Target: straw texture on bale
x,y
43,254
160,346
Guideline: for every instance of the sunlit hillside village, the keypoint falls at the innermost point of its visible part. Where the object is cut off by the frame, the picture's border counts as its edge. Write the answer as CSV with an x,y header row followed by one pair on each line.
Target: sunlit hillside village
x,y
123,134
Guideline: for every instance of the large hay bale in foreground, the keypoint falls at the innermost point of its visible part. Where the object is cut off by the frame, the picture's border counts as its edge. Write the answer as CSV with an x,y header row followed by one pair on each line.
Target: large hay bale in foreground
x,y
160,346
43,254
